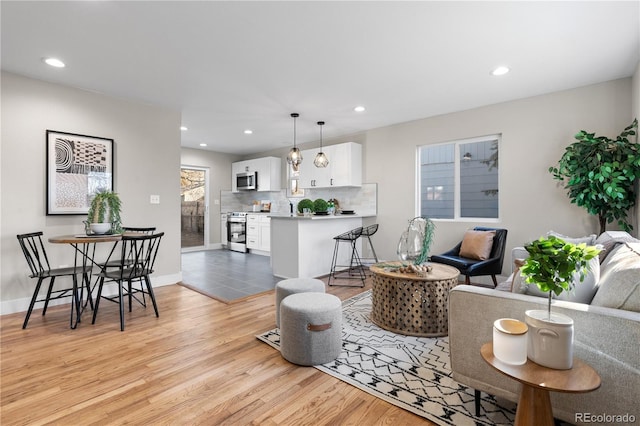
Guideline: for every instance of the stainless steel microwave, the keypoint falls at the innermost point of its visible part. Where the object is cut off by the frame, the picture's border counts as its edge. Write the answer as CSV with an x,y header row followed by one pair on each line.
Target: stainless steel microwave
x,y
247,181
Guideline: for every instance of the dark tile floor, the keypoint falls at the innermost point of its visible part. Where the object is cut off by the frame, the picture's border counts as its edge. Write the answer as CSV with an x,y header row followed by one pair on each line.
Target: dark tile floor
x,y
226,274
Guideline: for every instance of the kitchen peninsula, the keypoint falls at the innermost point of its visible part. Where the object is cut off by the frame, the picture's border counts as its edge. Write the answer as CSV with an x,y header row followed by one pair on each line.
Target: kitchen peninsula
x,y
303,246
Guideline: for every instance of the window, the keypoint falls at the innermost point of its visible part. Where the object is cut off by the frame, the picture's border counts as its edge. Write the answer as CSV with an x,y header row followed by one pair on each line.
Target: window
x,y
459,180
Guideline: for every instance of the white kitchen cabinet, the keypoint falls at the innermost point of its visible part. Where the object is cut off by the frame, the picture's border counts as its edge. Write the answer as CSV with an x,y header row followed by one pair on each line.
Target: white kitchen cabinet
x,y
268,169
259,232
265,233
223,230
253,233
344,169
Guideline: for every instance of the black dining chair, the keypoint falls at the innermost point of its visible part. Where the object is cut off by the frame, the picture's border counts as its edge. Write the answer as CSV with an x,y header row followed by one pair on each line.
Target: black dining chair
x,y
115,263
130,230
36,255
137,257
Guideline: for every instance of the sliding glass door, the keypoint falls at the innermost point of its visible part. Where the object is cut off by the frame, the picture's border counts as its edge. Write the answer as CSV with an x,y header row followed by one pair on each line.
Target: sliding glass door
x,y
194,207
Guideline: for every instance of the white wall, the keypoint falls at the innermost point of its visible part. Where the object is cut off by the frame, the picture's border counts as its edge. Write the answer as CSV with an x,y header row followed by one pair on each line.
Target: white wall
x,y
219,166
147,161
535,132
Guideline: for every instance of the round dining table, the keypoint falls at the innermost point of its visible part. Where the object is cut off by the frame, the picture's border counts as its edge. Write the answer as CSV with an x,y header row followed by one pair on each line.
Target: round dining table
x,y
85,255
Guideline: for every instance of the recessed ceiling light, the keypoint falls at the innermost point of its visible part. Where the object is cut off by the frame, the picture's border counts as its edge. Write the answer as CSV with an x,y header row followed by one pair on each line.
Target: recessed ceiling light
x,y
500,71
54,62
203,144
183,128
359,108
248,132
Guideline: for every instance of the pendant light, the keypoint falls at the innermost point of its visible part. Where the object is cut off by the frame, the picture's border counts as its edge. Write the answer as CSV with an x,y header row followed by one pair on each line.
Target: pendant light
x,y
321,160
295,156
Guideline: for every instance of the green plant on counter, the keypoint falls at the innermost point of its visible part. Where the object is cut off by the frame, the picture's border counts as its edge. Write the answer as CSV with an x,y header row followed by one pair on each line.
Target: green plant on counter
x,y
305,203
320,205
552,263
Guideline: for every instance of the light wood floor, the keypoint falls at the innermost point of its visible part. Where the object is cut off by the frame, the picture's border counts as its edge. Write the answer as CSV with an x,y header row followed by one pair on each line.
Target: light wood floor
x,y
199,363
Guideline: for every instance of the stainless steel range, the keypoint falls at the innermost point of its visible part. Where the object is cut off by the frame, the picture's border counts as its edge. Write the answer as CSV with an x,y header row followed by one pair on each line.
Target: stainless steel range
x,y
237,231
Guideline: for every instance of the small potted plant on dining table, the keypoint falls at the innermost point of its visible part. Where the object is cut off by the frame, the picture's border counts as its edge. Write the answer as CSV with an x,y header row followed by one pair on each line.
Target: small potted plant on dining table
x,y
103,216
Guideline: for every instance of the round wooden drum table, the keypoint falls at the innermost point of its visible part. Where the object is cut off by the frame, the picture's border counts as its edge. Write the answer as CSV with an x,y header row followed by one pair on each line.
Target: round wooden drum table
x,y
411,304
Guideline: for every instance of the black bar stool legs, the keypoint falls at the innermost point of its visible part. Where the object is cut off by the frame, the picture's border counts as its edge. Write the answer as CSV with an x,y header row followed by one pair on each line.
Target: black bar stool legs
x,y
354,270
367,232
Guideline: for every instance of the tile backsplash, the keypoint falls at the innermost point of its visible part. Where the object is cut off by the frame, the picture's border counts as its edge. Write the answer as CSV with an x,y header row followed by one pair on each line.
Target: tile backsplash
x,y
364,199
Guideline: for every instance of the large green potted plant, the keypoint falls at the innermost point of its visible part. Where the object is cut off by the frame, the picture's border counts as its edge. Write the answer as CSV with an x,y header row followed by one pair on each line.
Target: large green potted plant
x,y
104,213
552,266
599,174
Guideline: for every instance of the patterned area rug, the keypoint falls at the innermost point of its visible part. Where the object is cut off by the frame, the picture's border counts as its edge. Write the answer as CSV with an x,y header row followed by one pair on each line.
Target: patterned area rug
x,y
410,372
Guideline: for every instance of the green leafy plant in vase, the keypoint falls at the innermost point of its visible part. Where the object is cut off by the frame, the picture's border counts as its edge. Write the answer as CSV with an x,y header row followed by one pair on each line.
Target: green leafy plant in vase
x,y
415,242
552,265
105,209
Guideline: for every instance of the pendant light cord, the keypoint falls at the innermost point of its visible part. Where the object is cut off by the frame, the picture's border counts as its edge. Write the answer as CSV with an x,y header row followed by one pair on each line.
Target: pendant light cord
x,y
294,115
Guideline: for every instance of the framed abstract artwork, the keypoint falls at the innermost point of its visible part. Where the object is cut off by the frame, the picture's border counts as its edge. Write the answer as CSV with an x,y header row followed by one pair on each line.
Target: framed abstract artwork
x,y
77,167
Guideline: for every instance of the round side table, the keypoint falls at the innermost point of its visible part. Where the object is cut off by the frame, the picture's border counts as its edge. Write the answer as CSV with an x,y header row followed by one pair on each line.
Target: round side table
x,y
534,404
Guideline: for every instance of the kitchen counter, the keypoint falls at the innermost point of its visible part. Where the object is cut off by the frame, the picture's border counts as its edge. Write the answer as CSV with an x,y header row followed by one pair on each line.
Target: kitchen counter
x,y
303,246
319,217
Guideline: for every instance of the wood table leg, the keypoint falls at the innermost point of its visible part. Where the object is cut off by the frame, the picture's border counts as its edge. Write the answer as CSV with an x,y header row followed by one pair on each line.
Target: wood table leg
x,y
534,407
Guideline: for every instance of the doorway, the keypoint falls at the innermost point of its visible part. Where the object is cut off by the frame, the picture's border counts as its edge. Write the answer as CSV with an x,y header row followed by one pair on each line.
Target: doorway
x,y
194,197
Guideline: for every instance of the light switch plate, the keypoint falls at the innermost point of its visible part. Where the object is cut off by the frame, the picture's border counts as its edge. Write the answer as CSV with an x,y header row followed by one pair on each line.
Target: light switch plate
x,y
154,199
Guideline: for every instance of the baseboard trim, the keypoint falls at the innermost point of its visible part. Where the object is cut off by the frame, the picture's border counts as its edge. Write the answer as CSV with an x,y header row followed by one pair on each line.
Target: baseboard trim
x,y
22,304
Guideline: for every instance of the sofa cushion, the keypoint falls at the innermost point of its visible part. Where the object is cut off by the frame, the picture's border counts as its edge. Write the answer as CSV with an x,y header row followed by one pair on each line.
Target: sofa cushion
x,y
477,244
619,285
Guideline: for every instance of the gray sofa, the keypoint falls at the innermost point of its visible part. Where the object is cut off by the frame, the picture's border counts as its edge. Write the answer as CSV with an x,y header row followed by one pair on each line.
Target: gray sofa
x,y
607,336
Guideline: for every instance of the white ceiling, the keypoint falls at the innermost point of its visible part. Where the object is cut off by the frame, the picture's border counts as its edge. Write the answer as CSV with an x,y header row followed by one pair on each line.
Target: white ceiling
x,y
231,66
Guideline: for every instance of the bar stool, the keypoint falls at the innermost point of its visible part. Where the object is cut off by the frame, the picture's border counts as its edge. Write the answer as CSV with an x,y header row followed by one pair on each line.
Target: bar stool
x,y
355,269
367,232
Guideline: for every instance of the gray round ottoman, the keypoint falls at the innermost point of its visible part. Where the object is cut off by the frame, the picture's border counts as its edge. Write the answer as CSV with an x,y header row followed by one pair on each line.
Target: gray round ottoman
x,y
311,328
293,286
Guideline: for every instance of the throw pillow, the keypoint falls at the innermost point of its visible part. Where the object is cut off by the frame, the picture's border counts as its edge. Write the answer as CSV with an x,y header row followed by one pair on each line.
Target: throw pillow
x,y
619,285
584,291
518,285
588,239
477,244
610,239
